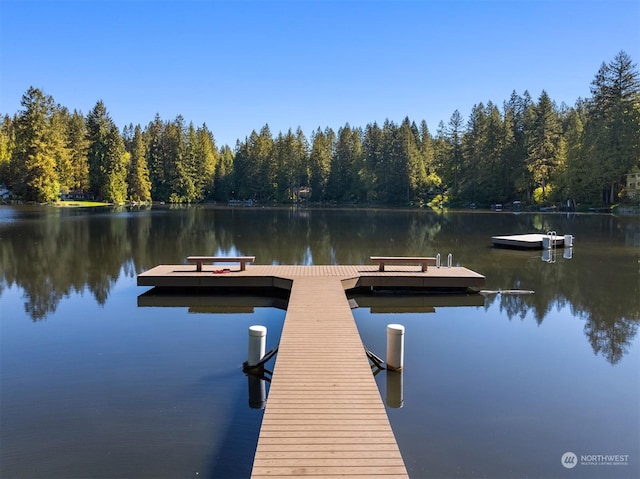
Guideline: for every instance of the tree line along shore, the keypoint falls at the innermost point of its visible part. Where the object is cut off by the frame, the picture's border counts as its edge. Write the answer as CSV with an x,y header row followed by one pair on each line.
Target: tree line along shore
x,y
532,151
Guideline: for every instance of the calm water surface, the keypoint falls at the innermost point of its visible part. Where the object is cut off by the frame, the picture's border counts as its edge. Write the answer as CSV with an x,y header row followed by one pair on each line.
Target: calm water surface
x,y
101,378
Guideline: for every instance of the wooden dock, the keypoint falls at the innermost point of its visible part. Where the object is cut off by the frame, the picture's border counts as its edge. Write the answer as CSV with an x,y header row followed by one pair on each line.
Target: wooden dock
x,y
324,415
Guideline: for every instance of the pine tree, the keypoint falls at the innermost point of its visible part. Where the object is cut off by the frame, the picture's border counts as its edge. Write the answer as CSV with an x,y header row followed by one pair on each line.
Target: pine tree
x,y
7,145
372,174
60,142
223,183
427,151
177,169
207,159
320,163
78,145
474,177
108,160
613,127
32,172
544,142
285,161
340,185
138,178
454,163
160,187
516,111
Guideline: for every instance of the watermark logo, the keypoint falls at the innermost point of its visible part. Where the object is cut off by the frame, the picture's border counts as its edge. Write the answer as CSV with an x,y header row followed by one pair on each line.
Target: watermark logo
x,y
569,460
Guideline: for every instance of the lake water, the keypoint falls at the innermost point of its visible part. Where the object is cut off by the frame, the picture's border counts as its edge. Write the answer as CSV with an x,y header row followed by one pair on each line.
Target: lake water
x,y
99,379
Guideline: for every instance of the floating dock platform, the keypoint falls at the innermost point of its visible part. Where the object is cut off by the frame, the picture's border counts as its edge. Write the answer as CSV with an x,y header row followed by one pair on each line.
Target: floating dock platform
x,y
531,241
324,415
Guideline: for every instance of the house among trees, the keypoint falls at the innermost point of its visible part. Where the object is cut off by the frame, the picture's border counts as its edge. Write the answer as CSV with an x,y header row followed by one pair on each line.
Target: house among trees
x,y
633,183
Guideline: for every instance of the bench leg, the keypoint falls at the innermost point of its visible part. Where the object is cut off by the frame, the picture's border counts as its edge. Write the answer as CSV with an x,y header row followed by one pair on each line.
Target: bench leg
x,y
243,266
381,268
424,267
199,266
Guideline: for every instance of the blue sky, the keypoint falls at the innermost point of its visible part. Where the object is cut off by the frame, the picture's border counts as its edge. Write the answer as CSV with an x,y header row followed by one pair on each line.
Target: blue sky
x,y
238,65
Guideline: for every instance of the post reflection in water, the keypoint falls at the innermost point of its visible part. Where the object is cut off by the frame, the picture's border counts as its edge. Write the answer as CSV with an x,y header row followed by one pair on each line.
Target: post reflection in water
x,y
395,388
230,301
257,390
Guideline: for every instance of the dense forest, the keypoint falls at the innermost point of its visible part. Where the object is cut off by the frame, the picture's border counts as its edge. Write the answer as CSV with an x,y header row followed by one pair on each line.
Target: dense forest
x,y
529,150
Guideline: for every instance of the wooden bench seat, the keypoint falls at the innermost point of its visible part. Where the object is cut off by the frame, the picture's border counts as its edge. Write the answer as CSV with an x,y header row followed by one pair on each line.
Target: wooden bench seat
x,y
200,260
423,261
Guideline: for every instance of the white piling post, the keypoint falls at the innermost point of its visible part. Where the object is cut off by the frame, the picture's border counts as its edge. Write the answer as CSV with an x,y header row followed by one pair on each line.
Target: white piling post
x,y
449,260
395,346
568,241
257,344
438,260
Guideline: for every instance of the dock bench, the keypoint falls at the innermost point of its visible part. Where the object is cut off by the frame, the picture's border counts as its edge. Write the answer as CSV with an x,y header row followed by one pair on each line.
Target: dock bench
x,y
200,260
423,261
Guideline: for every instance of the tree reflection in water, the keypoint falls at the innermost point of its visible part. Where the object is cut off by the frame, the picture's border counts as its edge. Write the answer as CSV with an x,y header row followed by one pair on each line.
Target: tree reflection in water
x,y
56,253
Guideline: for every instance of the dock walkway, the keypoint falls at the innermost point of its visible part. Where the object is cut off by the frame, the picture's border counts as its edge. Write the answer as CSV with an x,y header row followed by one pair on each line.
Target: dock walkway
x,y
324,415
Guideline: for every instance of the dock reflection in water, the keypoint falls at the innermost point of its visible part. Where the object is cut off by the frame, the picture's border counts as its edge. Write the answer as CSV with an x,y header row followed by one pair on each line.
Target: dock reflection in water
x,y
224,301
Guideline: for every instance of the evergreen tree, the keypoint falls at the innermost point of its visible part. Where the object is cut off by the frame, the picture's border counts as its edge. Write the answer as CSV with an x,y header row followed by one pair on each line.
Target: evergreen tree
x,y
373,173
407,165
578,180
301,151
160,186
33,171
108,159
452,168
285,161
60,142
472,182
264,183
516,112
243,170
385,169
177,169
138,178
223,189
7,145
544,142
78,145
341,185
613,129
427,151
206,162
320,163
499,180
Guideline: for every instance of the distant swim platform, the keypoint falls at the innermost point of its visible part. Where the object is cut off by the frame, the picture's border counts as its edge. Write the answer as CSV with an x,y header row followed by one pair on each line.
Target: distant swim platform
x,y
532,241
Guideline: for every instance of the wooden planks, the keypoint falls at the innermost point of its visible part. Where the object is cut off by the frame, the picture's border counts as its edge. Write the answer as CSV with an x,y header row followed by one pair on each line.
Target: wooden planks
x,y
324,414
280,276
